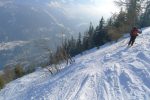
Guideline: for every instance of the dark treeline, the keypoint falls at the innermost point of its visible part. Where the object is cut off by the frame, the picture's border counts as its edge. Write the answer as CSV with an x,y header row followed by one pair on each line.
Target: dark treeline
x,y
12,73
145,17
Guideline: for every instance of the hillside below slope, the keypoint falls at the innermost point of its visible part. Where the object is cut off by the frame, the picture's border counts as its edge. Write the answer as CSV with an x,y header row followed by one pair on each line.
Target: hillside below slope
x,y
113,72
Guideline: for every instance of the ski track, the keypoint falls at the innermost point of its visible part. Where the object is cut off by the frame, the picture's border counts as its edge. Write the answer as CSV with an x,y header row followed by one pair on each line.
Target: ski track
x,y
113,72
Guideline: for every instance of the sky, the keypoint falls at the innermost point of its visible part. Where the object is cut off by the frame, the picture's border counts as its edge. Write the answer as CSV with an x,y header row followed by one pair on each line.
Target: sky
x,y
89,8
103,7
86,7
98,8
78,7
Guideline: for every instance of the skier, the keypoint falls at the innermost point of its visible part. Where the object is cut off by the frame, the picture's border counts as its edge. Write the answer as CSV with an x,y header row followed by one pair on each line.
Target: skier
x,y
133,34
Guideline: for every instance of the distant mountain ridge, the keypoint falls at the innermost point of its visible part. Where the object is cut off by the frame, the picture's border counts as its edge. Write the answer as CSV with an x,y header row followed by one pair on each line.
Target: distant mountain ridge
x,y
27,19
35,20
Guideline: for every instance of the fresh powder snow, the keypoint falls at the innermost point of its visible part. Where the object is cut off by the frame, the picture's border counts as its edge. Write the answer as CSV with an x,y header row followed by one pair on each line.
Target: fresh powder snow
x,y
112,72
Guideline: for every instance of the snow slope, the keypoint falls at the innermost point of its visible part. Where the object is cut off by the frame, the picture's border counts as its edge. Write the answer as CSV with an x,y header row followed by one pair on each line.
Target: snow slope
x,y
113,72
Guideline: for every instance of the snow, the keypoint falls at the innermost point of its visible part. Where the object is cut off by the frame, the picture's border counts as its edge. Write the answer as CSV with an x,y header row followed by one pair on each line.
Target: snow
x,y
113,72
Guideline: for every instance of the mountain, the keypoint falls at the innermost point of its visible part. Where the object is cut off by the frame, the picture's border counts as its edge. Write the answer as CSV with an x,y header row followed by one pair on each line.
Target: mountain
x,y
33,19
113,72
26,53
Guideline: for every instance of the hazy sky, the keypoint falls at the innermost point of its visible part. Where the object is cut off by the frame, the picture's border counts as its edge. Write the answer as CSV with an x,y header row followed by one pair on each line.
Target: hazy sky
x,y
97,8
94,8
85,7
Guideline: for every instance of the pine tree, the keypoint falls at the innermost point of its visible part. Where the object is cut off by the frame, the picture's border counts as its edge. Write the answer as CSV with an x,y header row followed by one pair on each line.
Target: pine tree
x,y
85,42
100,33
73,50
121,19
133,9
2,82
101,23
110,22
145,18
79,44
90,34
19,72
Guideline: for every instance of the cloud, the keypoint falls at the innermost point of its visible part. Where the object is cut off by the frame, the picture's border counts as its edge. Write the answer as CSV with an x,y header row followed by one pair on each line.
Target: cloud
x,y
55,4
95,8
5,2
86,10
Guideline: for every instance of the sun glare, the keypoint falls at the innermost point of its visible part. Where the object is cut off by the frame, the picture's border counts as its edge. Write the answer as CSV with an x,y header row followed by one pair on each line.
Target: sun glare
x,y
96,8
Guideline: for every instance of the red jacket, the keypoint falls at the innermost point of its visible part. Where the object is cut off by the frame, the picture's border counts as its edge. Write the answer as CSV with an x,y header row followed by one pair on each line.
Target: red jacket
x,y
134,32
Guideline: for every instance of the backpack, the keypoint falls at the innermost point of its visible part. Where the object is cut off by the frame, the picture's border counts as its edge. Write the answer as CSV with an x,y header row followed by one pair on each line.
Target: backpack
x,y
134,32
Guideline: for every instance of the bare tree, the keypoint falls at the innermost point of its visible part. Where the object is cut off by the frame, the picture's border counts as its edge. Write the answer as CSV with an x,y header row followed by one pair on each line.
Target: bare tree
x,y
64,54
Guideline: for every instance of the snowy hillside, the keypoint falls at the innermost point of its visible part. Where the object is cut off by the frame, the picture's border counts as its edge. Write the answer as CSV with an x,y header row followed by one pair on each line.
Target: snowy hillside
x,y
113,72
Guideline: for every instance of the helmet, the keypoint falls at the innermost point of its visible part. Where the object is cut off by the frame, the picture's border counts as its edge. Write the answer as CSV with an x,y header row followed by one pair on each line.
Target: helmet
x,y
134,27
